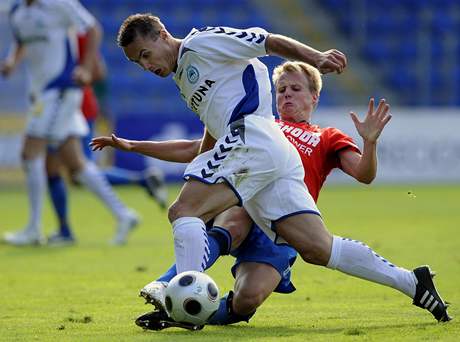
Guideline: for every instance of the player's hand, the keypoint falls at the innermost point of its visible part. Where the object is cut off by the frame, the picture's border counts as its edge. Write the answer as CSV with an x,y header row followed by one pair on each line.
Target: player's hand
x,y
81,75
331,61
374,122
99,143
6,68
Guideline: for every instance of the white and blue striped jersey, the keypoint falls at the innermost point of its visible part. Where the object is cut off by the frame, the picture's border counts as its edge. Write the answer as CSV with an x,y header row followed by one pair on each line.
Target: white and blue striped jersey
x,y
220,77
47,29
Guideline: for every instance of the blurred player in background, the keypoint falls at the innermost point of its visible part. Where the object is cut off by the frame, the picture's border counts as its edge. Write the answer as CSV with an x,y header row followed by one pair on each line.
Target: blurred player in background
x,y
152,179
89,107
45,37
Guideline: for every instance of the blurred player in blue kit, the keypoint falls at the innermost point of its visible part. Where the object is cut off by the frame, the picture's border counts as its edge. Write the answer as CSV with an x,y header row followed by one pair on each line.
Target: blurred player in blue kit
x,y
244,158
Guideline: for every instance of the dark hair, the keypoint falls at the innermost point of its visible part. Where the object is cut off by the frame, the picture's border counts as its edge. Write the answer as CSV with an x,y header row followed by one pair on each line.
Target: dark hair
x,y
145,24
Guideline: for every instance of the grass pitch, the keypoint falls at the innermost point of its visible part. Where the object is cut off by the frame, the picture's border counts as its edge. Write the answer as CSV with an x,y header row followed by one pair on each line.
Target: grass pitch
x,y
88,292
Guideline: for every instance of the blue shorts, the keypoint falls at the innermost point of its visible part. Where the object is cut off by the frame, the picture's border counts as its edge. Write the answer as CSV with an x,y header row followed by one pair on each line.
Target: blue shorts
x,y
257,247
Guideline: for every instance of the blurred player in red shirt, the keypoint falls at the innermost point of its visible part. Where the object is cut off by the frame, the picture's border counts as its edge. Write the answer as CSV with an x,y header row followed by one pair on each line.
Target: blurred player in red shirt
x,y
89,104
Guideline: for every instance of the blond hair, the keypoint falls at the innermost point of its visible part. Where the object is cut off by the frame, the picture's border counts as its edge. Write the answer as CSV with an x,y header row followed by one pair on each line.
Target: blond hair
x,y
311,73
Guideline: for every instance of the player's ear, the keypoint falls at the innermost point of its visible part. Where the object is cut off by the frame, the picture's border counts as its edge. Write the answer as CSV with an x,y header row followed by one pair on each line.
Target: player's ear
x,y
163,34
315,98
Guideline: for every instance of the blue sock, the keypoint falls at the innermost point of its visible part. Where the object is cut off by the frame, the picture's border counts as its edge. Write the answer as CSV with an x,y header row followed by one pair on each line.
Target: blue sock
x,y
118,176
171,273
220,242
58,194
225,315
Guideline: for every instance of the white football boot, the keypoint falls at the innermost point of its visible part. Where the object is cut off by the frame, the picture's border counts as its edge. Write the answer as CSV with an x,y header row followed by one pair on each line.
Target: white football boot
x,y
154,293
24,237
125,225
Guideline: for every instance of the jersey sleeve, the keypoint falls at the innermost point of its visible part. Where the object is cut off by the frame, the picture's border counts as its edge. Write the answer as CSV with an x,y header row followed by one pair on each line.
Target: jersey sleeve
x,y
339,141
226,43
74,14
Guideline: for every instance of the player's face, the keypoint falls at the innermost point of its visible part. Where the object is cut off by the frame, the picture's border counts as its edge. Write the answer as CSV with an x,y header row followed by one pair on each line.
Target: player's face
x,y
294,99
156,56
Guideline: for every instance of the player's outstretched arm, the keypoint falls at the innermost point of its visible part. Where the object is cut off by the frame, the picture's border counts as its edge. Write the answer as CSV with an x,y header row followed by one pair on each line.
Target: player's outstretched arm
x,y
327,61
179,151
364,167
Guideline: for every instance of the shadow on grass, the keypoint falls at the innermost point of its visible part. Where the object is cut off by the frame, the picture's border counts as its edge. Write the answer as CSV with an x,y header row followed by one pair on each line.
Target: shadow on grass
x,y
9,250
253,331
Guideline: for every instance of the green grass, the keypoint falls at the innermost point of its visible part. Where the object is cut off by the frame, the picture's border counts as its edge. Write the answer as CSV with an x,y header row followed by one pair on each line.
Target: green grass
x,y
88,292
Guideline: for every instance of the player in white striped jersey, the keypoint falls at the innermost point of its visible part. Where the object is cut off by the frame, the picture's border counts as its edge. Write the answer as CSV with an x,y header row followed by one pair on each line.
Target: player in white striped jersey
x,y
45,38
251,163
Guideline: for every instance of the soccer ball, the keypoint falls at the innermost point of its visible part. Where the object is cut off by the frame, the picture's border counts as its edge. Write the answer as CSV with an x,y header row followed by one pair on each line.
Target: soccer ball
x,y
191,297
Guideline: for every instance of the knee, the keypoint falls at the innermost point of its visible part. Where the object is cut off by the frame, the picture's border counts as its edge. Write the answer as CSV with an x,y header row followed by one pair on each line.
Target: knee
x,y
52,170
27,155
247,300
316,253
237,232
177,210
74,165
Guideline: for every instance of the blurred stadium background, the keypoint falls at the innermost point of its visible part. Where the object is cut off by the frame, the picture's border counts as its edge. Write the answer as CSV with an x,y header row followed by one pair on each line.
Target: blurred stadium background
x,y
407,51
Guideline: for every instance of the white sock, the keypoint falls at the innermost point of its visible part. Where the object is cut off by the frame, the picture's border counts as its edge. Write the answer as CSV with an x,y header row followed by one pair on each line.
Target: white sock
x,y
359,260
93,179
191,244
36,179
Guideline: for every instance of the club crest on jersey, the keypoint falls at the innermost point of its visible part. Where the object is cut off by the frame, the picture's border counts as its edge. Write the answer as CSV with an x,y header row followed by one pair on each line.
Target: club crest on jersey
x,y
192,74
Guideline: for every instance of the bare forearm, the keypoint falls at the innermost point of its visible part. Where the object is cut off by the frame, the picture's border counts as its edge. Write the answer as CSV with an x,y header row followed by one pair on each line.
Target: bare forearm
x,y
289,48
179,151
366,170
16,54
94,36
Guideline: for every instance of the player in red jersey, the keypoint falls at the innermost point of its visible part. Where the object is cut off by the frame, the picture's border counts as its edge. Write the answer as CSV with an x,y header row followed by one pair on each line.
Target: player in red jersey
x,y
298,86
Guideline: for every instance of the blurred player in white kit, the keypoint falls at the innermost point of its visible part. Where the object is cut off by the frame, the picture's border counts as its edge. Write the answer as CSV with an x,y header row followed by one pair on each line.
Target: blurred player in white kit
x,y
45,38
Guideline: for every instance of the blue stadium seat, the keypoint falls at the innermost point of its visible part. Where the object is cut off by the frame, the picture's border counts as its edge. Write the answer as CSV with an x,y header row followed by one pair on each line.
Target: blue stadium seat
x,y
405,51
378,51
393,29
403,79
442,22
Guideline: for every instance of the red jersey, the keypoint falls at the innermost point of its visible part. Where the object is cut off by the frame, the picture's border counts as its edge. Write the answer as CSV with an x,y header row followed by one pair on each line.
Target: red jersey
x,y
318,149
89,105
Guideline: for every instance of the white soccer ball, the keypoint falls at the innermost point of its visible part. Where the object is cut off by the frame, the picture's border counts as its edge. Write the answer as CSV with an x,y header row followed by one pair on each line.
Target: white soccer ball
x,y
191,297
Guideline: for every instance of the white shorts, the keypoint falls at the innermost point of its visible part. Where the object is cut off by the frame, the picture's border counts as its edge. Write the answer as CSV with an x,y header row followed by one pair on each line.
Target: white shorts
x,y
262,168
57,115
